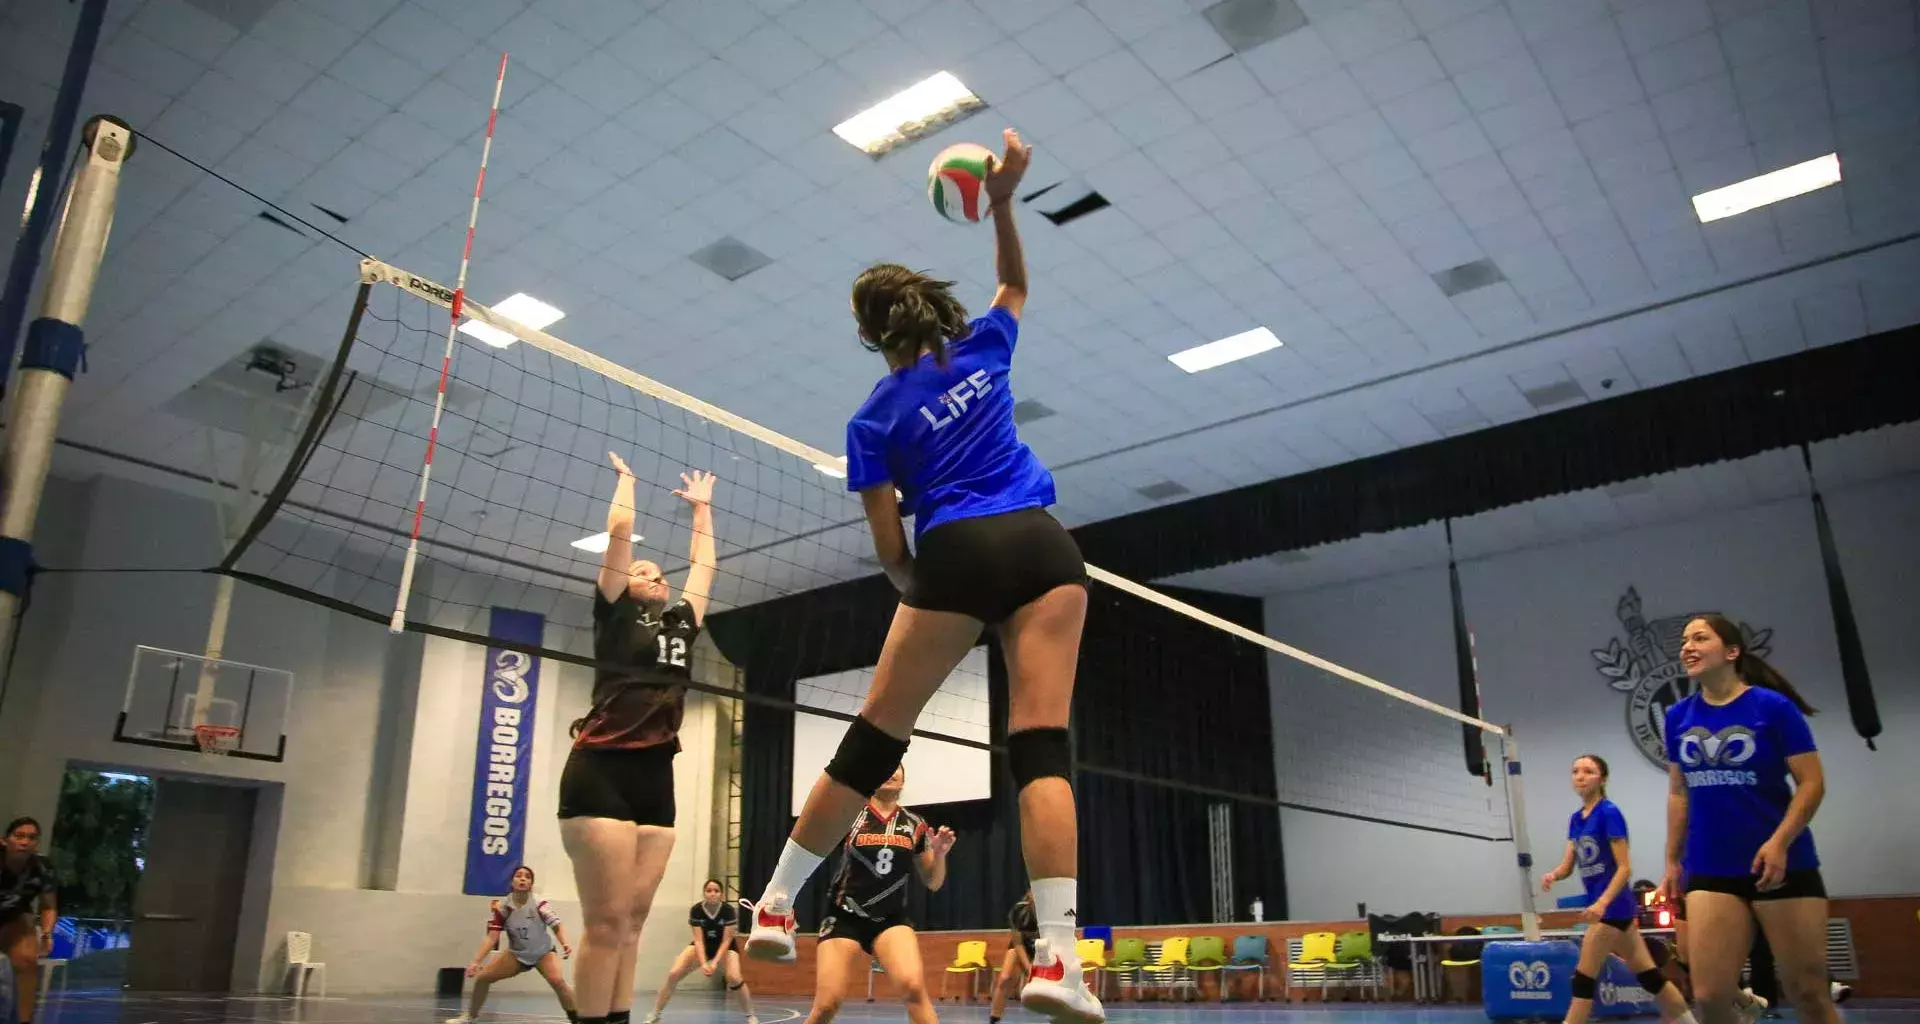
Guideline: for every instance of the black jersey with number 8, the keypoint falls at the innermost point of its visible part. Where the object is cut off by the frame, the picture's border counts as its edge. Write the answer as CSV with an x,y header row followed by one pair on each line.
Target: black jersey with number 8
x,y
877,862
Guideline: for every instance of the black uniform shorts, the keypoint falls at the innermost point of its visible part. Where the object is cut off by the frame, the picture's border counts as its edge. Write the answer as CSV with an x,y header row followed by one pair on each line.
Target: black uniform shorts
x,y
992,566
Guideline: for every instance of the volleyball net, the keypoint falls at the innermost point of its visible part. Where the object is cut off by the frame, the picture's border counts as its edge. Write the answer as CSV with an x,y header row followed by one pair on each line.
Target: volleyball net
x,y
515,517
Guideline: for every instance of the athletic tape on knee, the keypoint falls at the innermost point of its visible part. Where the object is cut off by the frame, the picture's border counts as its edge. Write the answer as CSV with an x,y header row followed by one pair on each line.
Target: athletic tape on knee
x,y
866,759
1652,980
1039,754
1585,986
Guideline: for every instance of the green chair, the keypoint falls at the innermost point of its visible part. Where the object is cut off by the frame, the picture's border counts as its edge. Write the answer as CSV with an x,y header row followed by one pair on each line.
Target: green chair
x,y
1206,955
1353,957
1129,958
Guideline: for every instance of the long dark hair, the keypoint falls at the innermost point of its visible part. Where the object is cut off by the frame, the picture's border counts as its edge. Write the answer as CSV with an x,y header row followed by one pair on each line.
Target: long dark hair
x,y
1605,772
1750,667
902,312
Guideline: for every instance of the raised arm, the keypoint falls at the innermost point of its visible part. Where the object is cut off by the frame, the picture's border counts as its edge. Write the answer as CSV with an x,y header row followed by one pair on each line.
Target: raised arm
x,y
619,554
1010,264
697,489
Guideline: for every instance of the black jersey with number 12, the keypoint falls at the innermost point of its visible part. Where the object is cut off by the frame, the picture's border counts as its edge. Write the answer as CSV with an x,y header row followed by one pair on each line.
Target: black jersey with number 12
x,y
640,705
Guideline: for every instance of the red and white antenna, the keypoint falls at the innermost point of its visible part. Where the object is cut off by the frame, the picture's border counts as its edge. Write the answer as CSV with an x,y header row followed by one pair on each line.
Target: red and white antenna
x,y
446,362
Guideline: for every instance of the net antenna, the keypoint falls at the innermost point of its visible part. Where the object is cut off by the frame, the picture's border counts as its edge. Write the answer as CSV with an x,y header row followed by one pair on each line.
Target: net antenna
x,y
458,299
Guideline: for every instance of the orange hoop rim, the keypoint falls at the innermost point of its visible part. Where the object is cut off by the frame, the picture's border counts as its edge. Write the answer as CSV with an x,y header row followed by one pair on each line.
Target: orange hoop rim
x,y
216,739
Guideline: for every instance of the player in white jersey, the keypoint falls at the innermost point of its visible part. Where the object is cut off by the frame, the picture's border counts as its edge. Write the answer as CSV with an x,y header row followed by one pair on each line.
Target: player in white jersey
x,y
531,928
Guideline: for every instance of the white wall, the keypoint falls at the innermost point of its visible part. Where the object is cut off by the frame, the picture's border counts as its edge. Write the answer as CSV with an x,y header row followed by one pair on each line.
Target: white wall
x,y
366,819
938,772
1537,615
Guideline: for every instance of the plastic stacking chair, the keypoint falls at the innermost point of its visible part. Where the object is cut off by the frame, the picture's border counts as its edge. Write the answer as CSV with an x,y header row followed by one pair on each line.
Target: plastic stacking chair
x,y
1316,952
970,959
1170,968
1129,957
1249,954
302,967
1353,957
1103,932
1093,957
1207,955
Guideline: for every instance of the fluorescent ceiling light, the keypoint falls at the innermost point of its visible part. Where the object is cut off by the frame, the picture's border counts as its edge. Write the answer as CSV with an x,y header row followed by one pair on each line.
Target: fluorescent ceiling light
x,y
1226,350
519,306
917,112
597,544
1772,187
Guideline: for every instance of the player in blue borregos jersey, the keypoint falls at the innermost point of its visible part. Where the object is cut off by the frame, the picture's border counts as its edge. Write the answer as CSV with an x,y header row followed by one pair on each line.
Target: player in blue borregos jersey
x,y
1738,830
1597,850
938,430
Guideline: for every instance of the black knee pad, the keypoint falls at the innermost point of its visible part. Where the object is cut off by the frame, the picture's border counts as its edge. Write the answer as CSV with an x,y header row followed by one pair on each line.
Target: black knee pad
x,y
866,758
1039,754
1653,980
738,987
1585,986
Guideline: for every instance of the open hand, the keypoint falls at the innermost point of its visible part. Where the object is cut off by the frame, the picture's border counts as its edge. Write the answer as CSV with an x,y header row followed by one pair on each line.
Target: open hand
x,y
1547,881
942,841
619,465
696,487
1005,172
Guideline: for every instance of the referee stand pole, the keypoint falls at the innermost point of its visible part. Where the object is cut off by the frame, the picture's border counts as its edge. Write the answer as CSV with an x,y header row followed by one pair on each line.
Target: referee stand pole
x,y
1517,824
54,349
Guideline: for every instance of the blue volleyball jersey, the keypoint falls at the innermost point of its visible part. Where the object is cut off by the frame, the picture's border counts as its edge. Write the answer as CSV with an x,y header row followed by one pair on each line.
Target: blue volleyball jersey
x,y
1592,836
1733,759
944,436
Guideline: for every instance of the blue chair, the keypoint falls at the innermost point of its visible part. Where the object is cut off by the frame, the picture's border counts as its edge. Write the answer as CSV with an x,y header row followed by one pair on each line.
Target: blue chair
x,y
1103,932
1249,954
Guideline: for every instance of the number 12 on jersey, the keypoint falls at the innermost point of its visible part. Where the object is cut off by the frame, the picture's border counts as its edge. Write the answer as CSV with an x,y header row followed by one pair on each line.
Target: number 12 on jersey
x,y
673,651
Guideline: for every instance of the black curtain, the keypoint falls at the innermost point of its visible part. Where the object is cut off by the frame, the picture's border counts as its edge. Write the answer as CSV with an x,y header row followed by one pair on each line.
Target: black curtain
x,y
1165,701
1807,396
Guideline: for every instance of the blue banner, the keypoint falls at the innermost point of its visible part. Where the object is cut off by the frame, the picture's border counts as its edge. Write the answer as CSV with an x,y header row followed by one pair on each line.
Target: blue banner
x,y
502,759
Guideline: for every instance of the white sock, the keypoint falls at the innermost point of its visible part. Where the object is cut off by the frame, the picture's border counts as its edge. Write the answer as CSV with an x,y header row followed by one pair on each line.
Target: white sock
x,y
1053,908
796,865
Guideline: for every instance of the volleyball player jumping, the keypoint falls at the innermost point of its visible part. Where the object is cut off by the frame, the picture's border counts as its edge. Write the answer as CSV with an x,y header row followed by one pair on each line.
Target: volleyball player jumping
x,y
1597,849
1736,829
616,792
938,428
869,916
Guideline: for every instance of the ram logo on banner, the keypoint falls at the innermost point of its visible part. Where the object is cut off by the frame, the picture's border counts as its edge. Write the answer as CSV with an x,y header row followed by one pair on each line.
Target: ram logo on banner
x,y
496,832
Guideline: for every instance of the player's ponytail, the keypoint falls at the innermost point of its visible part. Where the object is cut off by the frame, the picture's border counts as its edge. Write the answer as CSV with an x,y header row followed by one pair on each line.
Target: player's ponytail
x,y
902,313
1752,668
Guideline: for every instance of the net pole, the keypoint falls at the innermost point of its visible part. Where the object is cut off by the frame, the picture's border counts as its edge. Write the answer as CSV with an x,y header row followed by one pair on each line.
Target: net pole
x,y
399,622
55,344
1517,824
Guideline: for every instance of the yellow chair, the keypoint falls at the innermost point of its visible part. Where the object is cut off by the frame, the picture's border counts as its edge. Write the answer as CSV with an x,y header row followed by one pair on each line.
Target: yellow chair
x,y
970,959
1093,957
1170,968
1316,954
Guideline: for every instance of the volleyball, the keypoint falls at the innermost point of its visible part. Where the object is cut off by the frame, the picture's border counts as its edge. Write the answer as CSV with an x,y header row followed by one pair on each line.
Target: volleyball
x,y
956,183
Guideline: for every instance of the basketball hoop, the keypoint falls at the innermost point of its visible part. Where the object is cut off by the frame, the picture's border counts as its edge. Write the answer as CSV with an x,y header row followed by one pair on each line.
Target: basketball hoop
x,y
216,740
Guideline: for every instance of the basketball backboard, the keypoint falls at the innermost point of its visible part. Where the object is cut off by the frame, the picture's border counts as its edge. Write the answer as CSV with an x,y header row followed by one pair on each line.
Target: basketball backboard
x,y
170,693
